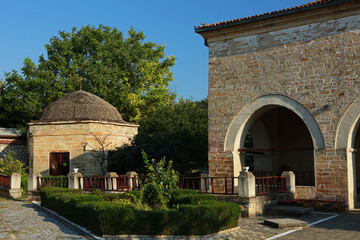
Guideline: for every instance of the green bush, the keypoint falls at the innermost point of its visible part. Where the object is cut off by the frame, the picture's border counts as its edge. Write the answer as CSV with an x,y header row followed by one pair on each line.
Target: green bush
x,y
115,218
152,196
187,196
192,199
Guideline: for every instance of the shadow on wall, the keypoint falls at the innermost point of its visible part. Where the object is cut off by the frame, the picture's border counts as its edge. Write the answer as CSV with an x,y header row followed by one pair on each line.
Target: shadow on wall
x,y
20,150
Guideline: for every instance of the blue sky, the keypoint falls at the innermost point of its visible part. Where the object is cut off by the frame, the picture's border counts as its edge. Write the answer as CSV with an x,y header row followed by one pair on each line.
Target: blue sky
x,y
27,25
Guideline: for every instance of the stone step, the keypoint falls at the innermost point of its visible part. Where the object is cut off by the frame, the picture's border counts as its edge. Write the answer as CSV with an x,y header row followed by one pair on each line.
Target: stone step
x,y
285,222
292,210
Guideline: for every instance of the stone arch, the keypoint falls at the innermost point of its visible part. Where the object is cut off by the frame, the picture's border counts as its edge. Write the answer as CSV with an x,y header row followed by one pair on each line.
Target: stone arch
x,y
345,138
242,122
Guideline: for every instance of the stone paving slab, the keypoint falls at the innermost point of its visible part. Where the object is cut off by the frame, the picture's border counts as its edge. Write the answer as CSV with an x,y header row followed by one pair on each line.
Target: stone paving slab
x,y
292,210
344,226
22,220
285,222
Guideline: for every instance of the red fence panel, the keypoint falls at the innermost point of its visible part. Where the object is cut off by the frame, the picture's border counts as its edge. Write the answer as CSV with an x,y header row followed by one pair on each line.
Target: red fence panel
x,y
52,181
268,185
4,180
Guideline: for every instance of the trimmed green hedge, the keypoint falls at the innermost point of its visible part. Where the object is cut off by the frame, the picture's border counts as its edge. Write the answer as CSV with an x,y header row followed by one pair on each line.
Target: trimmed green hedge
x,y
115,218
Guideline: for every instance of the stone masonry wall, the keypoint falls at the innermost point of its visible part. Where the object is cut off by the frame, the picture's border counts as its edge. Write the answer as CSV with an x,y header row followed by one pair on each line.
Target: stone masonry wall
x,y
19,149
76,138
315,64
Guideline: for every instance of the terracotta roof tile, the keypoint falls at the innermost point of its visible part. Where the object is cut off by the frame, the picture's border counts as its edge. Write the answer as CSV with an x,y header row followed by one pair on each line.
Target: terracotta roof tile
x,y
255,17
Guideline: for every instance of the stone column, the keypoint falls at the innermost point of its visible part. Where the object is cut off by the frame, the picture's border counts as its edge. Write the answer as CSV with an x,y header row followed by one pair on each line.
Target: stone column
x,y
73,180
33,182
111,179
132,182
204,183
290,180
15,190
246,185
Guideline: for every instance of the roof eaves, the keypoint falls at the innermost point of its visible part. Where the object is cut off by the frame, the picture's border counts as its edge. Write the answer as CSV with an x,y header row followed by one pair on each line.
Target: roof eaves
x,y
284,12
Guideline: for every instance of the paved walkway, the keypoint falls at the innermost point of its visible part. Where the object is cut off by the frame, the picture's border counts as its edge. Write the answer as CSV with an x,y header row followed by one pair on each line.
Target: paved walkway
x,y
344,226
23,220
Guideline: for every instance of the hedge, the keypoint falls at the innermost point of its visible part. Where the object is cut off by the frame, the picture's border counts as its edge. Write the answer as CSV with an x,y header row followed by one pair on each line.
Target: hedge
x,y
115,218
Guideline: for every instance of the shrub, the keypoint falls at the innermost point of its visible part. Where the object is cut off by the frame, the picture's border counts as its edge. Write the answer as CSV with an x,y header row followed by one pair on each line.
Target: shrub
x,y
114,218
192,199
153,197
9,164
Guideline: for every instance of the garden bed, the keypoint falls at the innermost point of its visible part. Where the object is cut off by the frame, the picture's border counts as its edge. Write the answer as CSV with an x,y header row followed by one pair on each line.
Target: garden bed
x,y
187,213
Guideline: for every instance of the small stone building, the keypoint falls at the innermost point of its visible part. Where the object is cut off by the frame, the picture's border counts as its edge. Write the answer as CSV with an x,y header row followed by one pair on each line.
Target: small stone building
x,y
290,81
76,131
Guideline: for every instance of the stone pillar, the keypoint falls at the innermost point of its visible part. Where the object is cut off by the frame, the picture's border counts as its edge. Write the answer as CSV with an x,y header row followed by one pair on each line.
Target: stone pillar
x,y
204,183
15,190
111,179
33,182
246,185
290,180
132,182
15,181
73,180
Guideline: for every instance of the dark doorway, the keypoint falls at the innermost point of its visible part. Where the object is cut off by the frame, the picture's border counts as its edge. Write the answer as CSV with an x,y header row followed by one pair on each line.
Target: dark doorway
x,y
59,164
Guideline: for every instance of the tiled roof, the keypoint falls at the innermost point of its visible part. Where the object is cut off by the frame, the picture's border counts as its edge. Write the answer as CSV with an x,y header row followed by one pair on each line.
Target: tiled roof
x,y
10,132
307,6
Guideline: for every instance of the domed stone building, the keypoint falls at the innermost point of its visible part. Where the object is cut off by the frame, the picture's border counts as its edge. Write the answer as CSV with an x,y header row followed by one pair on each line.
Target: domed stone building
x,y
76,131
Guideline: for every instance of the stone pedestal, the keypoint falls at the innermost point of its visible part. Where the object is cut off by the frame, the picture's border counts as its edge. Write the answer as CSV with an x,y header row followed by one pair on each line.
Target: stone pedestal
x,y
132,181
111,181
290,180
33,182
204,183
73,180
246,185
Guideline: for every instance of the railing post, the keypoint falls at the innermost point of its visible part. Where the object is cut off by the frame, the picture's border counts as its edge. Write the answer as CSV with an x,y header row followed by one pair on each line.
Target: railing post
x,y
131,182
290,180
33,182
246,185
15,190
73,180
111,179
204,183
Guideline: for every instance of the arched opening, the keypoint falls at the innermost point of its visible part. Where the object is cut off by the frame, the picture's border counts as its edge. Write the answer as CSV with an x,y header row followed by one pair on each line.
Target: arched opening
x,y
356,168
348,138
259,118
280,142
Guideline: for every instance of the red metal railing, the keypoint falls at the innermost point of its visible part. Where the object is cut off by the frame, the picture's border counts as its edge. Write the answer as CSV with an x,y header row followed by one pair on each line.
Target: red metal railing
x,y
4,180
92,183
121,183
268,185
213,185
302,178
52,181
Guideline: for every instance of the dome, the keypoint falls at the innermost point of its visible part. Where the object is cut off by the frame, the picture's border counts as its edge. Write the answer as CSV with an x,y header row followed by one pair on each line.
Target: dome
x,y
78,106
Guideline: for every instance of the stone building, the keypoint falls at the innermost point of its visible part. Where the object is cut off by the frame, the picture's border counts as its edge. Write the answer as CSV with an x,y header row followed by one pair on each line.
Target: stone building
x,y
11,140
291,79
76,131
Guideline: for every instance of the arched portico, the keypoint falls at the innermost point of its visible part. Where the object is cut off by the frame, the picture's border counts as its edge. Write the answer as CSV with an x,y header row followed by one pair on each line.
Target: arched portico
x,y
241,124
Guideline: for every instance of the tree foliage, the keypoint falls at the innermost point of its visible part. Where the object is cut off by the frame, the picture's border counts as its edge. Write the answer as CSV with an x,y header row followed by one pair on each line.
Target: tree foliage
x,y
129,73
178,131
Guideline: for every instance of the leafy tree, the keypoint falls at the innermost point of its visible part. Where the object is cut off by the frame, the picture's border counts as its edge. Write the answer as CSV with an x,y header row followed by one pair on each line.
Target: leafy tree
x,y
177,131
129,73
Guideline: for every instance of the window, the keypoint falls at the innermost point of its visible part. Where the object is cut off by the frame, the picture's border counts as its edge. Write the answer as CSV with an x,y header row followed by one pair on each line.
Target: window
x,y
59,164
